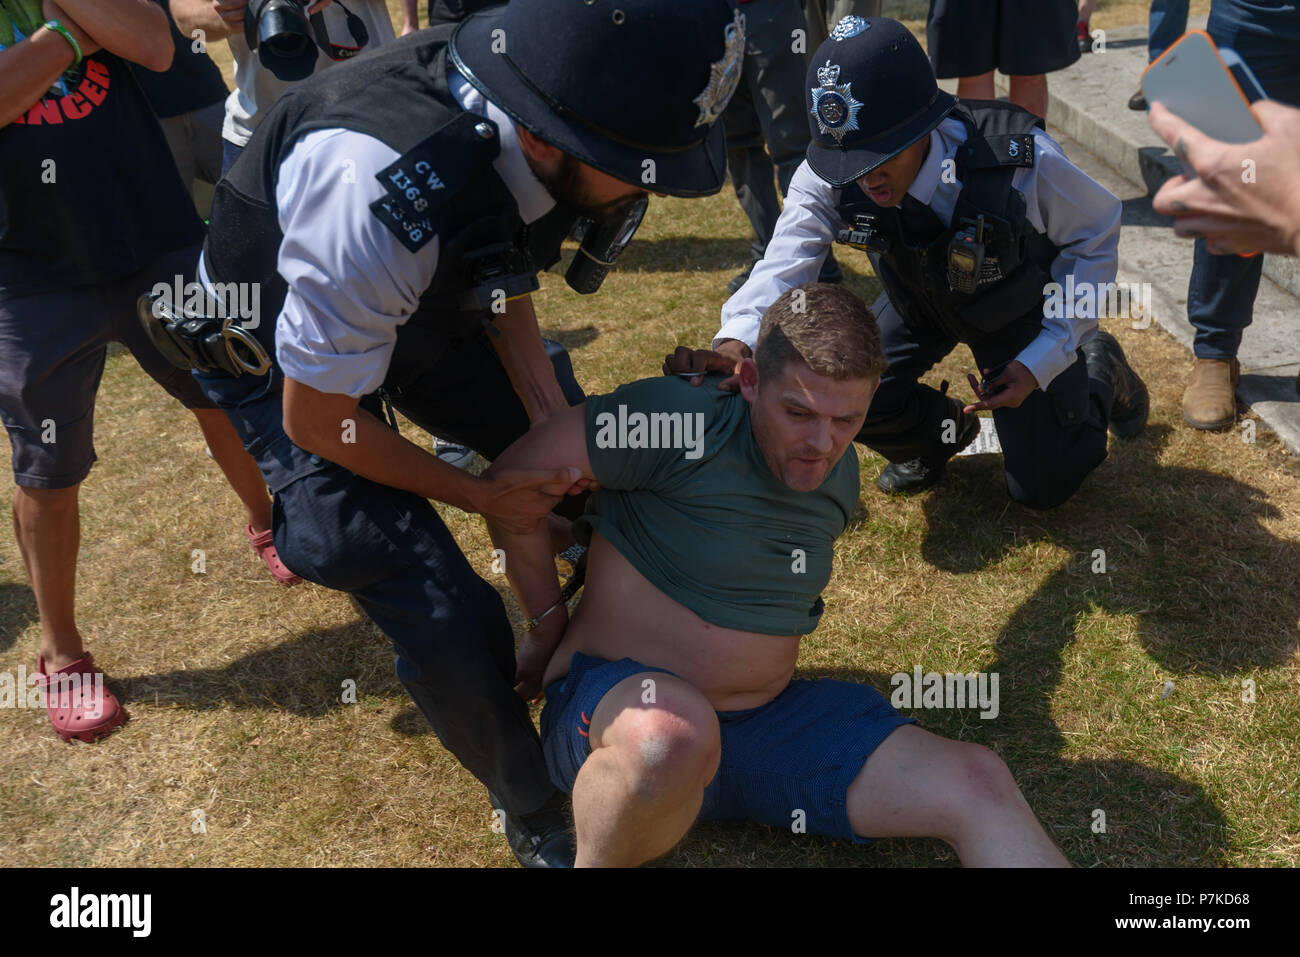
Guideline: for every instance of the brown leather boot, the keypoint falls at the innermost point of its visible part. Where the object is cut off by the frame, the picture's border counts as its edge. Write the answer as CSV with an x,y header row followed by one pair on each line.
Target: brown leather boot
x,y
1210,401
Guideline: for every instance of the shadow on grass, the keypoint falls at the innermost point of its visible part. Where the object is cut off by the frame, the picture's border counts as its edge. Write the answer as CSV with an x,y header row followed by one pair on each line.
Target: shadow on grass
x,y
304,676
17,614
1187,556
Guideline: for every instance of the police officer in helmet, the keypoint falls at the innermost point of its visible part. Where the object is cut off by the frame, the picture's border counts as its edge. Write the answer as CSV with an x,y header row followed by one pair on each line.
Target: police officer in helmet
x,y
981,232
395,212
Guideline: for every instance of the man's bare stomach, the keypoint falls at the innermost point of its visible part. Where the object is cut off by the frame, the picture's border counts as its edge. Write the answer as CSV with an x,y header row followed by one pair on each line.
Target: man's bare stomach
x,y
622,615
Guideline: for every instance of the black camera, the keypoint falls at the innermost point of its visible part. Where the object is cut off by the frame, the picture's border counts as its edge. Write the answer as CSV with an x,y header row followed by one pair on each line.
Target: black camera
x,y
281,34
287,39
864,234
603,241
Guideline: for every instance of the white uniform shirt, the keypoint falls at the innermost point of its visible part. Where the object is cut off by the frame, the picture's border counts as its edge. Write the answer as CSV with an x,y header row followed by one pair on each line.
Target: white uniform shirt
x,y
256,87
1077,213
351,281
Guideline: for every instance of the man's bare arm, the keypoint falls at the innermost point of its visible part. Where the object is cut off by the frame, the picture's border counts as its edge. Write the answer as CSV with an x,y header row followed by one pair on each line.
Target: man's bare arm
x,y
217,20
336,428
524,355
135,30
29,67
529,557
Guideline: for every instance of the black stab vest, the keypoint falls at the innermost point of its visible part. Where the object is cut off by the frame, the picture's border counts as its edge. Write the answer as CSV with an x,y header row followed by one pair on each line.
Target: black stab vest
x,y
1018,258
443,184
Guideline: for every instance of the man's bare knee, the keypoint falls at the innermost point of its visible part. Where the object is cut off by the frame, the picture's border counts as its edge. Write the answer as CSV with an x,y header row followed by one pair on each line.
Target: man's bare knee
x,y
983,783
670,746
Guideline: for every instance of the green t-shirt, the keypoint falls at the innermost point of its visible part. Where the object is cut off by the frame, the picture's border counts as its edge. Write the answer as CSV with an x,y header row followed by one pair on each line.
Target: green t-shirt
x,y
688,499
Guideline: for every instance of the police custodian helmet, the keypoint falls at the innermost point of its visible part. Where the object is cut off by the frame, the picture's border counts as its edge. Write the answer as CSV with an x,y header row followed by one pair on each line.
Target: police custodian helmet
x,y
871,94
615,82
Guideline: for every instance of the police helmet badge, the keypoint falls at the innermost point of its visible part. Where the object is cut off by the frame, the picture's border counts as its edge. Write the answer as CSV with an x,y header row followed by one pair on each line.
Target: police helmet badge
x,y
724,74
833,104
849,27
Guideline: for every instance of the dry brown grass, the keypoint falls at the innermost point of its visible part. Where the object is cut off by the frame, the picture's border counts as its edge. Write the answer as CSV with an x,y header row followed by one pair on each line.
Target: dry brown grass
x,y
233,683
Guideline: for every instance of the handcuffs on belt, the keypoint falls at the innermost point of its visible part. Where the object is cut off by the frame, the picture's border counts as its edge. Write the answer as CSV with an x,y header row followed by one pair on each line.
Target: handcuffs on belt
x,y
204,343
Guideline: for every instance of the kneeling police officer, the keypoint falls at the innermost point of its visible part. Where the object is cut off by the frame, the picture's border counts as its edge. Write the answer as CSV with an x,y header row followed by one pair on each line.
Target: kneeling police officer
x,y
970,212
395,211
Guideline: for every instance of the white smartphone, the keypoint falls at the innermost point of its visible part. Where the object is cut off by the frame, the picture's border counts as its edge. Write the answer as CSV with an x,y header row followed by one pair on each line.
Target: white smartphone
x,y
1202,85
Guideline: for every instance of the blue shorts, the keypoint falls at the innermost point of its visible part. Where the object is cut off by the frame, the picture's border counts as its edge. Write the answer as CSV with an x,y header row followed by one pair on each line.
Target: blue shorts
x,y
798,752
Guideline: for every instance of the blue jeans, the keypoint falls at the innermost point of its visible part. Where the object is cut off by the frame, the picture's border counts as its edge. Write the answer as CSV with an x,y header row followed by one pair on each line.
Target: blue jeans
x,y
1165,24
1221,293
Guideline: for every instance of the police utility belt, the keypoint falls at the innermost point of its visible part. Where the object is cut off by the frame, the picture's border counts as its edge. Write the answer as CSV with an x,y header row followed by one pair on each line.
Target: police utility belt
x,y
203,340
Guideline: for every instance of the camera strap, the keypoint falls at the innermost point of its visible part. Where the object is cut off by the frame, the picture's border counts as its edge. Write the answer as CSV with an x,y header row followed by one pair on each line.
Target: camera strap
x,y
338,51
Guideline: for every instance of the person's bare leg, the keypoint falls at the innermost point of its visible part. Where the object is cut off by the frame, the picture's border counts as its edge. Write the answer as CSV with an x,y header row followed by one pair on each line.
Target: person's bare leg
x,y
976,87
1030,92
239,467
640,791
47,525
917,784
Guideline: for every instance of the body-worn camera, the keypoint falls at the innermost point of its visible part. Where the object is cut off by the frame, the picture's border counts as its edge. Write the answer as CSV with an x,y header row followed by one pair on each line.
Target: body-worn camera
x,y
287,40
205,343
966,256
864,234
602,243
498,273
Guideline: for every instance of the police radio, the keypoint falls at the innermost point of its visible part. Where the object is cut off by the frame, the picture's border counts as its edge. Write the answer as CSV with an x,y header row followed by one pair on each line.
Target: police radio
x,y
966,256
603,243
864,234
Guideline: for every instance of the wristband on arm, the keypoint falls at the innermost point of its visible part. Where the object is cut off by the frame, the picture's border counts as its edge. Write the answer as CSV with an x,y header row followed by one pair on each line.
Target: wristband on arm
x,y
64,32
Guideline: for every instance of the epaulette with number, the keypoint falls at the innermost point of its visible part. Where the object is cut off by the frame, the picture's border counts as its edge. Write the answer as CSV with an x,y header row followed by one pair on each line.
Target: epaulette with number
x,y
425,177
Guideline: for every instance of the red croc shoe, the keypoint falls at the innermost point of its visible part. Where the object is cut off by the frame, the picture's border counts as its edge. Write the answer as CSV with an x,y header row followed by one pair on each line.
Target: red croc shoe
x,y
264,547
77,702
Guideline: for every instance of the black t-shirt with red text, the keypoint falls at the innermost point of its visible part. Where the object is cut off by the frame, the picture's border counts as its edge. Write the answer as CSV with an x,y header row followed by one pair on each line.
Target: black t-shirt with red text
x,y
89,191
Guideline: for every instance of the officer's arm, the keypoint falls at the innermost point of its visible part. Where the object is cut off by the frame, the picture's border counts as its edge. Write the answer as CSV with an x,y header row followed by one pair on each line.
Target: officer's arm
x,y
558,442
1082,217
334,427
799,245
524,355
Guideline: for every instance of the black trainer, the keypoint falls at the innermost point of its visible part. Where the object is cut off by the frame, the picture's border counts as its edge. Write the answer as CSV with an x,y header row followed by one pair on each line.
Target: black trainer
x,y
1131,402
543,838
917,475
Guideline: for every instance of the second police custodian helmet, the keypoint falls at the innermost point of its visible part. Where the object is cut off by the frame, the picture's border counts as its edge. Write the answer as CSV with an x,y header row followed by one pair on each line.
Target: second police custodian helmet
x,y
871,94
615,83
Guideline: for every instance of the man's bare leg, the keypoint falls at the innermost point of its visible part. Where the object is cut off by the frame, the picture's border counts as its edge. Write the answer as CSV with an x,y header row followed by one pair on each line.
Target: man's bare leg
x,y
47,525
239,467
976,87
640,791
1030,93
917,784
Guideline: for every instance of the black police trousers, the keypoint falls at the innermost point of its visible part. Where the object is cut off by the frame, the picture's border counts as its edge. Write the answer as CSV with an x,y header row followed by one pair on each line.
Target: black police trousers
x,y
455,650
1050,442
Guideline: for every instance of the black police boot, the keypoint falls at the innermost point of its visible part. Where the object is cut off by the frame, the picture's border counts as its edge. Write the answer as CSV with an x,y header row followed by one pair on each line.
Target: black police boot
x,y
1130,403
917,475
543,838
